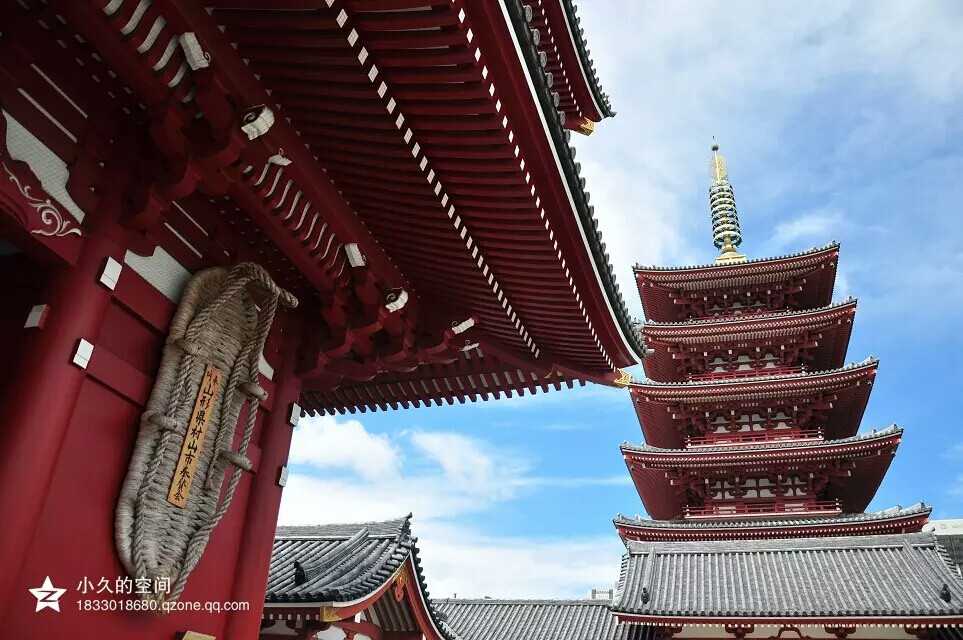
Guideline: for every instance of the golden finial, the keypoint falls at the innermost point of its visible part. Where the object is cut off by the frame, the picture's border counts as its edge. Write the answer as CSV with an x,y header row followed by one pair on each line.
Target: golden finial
x,y
722,206
717,166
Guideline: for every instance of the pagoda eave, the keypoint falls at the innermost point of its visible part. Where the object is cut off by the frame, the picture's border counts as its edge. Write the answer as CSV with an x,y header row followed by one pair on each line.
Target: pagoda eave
x,y
822,335
853,467
896,520
840,396
812,273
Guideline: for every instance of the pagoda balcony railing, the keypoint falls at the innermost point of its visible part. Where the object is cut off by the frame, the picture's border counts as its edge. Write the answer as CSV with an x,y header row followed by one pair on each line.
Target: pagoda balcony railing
x,y
744,373
763,509
753,437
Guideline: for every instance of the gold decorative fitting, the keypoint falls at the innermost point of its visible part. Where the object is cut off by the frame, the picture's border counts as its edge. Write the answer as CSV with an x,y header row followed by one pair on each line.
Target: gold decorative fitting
x,y
398,589
194,635
586,127
623,380
329,614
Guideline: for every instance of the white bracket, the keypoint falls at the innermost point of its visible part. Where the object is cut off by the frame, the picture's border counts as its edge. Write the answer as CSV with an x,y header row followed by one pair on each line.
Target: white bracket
x,y
282,476
37,316
82,354
295,416
355,257
279,159
111,273
396,300
461,327
257,121
196,57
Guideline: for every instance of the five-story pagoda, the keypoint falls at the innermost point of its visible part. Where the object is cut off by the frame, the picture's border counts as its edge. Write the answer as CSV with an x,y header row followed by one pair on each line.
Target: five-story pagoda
x,y
750,415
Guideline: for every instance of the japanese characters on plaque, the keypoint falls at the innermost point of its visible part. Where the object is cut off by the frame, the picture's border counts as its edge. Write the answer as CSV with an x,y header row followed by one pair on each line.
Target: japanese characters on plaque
x,y
194,437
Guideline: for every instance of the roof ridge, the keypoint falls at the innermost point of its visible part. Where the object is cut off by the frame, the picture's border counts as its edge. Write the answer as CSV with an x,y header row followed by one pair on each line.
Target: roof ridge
x,y
585,58
865,362
748,317
833,244
783,444
781,545
893,512
375,527
503,601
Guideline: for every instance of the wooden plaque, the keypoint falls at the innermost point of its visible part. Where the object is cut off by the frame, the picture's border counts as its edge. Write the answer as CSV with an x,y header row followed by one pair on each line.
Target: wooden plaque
x,y
194,437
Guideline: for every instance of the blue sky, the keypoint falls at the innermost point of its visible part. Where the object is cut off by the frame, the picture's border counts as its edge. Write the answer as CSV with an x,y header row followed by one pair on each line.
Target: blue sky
x,y
839,120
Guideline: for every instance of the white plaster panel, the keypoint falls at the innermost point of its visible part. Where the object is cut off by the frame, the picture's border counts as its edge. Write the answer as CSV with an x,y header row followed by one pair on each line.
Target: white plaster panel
x,y
162,271
48,167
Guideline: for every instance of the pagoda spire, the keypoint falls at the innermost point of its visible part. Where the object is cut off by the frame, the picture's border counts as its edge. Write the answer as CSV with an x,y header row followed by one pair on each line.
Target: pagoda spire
x,y
722,206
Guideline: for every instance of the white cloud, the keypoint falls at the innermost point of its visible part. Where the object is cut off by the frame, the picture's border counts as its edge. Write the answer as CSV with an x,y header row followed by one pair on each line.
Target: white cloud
x,y
446,478
805,99
461,458
459,561
816,227
325,443
956,451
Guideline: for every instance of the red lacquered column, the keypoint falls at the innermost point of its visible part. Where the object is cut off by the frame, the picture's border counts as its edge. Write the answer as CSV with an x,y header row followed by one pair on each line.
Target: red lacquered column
x,y
40,407
260,519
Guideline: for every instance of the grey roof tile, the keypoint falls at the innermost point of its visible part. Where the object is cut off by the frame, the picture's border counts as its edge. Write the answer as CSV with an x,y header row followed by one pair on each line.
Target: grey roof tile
x,y
488,619
794,445
846,518
886,575
737,382
578,34
346,562
752,261
735,321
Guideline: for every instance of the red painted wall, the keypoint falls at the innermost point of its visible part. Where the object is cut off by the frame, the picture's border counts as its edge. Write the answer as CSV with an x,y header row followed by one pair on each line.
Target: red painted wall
x,y
75,535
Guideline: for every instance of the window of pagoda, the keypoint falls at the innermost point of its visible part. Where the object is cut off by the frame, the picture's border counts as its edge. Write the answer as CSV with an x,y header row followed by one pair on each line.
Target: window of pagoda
x,y
734,423
752,298
698,362
771,492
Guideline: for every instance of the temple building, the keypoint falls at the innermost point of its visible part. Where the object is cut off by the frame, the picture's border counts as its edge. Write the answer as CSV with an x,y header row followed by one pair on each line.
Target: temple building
x,y
753,472
350,581
218,216
754,476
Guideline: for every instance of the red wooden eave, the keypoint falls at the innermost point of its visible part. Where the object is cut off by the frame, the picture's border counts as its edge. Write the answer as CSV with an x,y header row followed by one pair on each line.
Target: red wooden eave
x,y
845,391
659,288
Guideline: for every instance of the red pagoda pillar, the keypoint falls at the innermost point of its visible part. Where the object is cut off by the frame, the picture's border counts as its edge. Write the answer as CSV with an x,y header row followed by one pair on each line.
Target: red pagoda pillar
x,y
38,413
260,519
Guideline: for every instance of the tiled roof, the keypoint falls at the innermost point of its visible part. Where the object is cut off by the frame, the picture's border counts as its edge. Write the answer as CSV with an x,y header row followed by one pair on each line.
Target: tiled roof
x,y
832,245
904,576
846,518
782,444
893,512
867,362
585,57
537,620
345,563
746,317
571,170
